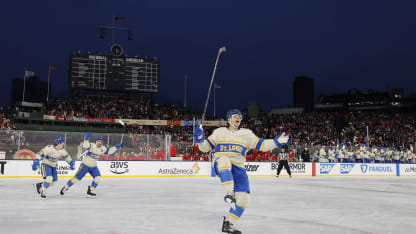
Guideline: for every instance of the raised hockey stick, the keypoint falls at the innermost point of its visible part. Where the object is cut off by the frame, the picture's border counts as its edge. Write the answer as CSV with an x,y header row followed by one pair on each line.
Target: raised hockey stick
x,y
222,49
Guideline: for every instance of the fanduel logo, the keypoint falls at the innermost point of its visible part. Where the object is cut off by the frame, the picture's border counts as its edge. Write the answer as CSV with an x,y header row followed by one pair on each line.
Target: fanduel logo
x,y
325,168
364,168
346,168
379,169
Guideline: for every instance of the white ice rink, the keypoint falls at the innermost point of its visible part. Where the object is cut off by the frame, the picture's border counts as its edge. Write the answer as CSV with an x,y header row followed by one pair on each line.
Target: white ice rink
x,y
301,205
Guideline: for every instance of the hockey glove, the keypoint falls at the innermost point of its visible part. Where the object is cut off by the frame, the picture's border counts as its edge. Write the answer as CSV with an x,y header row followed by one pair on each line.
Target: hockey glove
x,y
72,165
87,136
118,146
35,164
282,140
199,135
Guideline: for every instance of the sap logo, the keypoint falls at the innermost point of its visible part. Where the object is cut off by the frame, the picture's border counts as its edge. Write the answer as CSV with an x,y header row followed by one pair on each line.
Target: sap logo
x,y
251,167
325,168
346,168
364,168
119,167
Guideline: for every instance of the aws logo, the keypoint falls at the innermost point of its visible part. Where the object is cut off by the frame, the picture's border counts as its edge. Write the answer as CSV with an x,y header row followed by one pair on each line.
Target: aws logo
x,y
117,167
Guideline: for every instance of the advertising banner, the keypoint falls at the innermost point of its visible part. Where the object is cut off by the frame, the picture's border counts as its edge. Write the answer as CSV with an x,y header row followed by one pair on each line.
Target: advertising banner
x,y
356,169
23,168
270,169
407,169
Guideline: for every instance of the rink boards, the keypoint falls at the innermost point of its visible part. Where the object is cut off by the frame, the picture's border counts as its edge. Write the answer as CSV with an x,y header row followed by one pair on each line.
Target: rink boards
x,y
23,169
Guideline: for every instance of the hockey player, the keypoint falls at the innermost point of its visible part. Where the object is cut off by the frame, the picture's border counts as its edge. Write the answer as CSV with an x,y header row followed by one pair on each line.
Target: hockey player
x,y
230,145
322,155
382,151
50,155
389,154
403,155
396,156
410,154
89,163
331,154
365,153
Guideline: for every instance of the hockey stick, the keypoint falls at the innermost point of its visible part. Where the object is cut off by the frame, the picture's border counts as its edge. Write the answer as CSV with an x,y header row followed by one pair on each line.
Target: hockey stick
x,y
222,49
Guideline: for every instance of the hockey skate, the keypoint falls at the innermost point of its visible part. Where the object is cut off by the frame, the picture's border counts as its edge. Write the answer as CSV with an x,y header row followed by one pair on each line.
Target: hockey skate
x,y
38,187
63,190
227,227
42,193
229,198
91,193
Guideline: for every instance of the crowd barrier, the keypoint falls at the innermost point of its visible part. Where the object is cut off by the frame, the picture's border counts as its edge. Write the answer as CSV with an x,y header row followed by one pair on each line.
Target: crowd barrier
x,y
23,169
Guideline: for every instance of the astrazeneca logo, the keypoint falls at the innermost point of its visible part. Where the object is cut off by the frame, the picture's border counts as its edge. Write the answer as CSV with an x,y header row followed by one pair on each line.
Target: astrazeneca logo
x,y
364,168
325,168
346,168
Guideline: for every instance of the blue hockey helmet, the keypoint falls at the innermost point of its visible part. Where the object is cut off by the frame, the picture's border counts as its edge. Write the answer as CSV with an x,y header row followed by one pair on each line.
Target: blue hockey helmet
x,y
100,138
59,140
233,112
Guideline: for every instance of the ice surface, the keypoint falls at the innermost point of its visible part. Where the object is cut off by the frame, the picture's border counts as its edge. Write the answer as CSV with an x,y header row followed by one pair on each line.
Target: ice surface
x,y
195,205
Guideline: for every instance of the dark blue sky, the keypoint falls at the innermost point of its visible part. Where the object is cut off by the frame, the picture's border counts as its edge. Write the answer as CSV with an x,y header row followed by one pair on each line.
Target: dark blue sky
x,y
341,44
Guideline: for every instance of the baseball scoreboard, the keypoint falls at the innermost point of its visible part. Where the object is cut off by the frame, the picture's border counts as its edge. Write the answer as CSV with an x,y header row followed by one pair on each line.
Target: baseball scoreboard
x,y
114,72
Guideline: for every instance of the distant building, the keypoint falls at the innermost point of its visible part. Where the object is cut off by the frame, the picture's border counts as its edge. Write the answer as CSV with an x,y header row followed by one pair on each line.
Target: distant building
x,y
303,95
253,109
35,90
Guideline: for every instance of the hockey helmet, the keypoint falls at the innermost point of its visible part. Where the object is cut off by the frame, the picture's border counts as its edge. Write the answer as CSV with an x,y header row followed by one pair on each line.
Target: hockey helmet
x,y
100,138
233,112
59,140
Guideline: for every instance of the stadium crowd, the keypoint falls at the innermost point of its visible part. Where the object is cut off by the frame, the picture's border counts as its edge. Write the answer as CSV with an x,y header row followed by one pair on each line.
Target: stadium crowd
x,y
310,130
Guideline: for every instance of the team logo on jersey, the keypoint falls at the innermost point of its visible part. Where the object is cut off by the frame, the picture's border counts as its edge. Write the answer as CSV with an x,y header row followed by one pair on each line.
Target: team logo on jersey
x,y
364,168
119,167
325,168
346,168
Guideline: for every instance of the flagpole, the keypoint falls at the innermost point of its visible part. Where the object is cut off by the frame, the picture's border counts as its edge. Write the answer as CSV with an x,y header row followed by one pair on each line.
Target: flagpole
x,y
24,87
184,102
215,87
114,23
49,76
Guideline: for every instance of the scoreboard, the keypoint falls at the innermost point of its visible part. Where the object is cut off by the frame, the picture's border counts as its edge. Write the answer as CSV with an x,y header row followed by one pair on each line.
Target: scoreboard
x,y
114,73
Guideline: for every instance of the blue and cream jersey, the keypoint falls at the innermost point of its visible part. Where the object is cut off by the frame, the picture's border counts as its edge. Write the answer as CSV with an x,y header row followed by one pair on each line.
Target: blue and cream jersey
x,y
234,144
50,155
94,152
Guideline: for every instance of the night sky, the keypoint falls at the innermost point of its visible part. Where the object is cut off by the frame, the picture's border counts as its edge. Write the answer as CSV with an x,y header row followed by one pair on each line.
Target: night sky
x,y
340,44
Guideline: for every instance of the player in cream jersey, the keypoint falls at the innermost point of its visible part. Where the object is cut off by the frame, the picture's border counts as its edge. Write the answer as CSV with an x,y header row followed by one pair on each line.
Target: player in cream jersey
x,y
230,146
89,164
50,156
